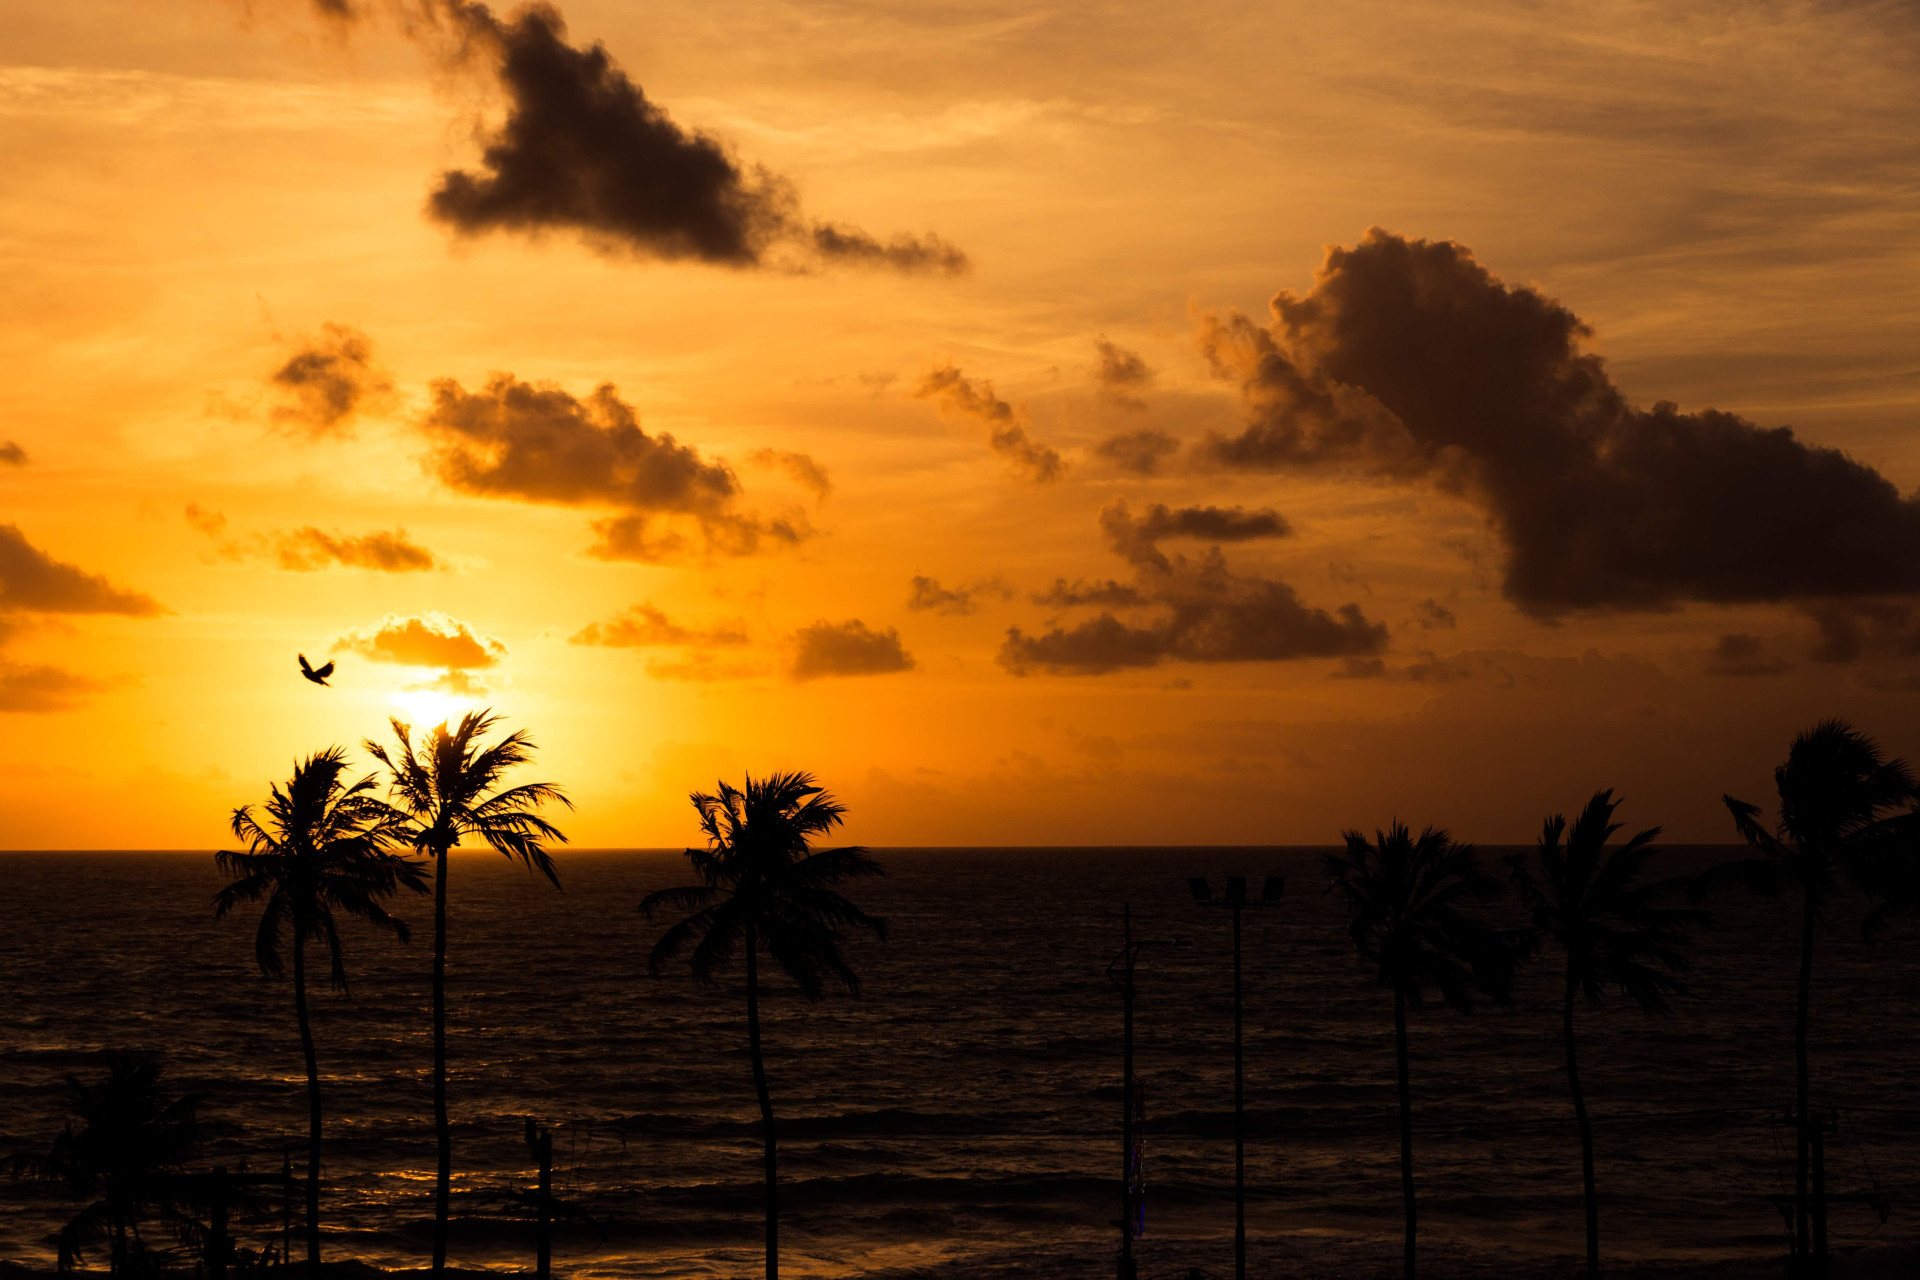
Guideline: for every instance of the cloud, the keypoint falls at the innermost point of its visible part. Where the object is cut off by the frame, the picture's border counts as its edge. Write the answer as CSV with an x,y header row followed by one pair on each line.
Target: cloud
x,y
1435,616
1122,374
849,648
211,523
1853,630
41,689
930,597
1144,452
1078,593
459,683
1207,613
32,580
583,148
1408,359
538,443
12,455
644,627
330,380
1006,436
429,640
1136,540
307,550
800,468
1744,655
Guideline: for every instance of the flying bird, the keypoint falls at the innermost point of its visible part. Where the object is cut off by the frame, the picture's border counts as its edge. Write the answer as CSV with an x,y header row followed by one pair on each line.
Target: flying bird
x,y
318,677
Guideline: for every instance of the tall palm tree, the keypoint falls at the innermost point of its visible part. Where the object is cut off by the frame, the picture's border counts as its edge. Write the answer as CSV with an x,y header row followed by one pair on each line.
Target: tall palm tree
x,y
317,850
1407,897
764,887
1842,819
127,1159
445,791
1614,932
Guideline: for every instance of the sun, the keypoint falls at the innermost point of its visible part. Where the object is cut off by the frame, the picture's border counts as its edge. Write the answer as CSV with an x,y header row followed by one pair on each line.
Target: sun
x,y
424,708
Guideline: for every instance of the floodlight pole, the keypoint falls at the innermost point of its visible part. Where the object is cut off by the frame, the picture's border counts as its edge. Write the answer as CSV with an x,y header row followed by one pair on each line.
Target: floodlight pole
x,y
1120,973
1236,901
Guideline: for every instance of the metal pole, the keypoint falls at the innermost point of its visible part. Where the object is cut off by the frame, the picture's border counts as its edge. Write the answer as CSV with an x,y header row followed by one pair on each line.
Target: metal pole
x,y
286,1206
217,1248
544,1261
1127,1268
1818,1136
1239,1120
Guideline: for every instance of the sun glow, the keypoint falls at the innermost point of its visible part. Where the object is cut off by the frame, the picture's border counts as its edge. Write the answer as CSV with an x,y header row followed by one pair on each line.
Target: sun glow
x,y
425,708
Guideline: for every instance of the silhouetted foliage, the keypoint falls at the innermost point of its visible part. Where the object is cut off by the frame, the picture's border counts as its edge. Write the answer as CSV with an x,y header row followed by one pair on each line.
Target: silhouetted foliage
x,y
1407,899
1839,823
444,792
125,1151
317,850
1615,934
763,886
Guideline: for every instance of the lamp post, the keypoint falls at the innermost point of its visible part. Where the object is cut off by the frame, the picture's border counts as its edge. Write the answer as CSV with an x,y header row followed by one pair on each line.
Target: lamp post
x,y
1236,902
1120,973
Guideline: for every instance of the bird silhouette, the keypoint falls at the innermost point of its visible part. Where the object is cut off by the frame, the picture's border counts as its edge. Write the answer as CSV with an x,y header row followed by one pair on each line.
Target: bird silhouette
x,y
319,676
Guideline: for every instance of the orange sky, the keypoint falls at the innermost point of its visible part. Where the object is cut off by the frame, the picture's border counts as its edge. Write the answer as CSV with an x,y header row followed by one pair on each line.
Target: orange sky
x,y
271,396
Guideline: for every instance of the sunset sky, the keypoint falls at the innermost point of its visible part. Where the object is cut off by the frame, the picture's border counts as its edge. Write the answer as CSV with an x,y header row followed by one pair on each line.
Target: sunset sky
x,y
1081,424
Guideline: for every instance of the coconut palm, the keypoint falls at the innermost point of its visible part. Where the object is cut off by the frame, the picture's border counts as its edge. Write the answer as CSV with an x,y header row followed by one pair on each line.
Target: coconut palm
x,y
1843,819
764,887
316,851
127,1159
1589,900
1408,901
444,791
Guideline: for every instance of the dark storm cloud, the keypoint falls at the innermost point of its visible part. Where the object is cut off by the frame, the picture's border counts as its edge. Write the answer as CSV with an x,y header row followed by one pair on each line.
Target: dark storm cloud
x,y
34,581
42,689
431,640
12,455
583,148
329,380
1408,358
646,627
1121,373
1006,435
849,648
1206,613
539,443
308,549
1144,452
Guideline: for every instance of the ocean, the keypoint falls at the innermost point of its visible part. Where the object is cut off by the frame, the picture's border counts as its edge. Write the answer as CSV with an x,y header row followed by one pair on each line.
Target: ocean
x,y
962,1117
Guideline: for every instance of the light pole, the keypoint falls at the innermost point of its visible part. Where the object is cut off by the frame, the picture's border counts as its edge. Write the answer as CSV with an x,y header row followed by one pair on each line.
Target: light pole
x,y
1120,973
1236,901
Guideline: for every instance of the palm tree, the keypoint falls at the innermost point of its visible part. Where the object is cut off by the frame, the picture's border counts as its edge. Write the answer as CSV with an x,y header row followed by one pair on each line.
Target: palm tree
x,y
127,1159
1841,819
316,851
445,792
1407,898
764,887
1614,933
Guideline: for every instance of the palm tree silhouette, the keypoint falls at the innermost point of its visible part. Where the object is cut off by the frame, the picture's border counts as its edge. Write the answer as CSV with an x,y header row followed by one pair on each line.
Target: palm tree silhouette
x,y
1614,933
1406,897
1838,797
316,851
127,1159
764,887
444,792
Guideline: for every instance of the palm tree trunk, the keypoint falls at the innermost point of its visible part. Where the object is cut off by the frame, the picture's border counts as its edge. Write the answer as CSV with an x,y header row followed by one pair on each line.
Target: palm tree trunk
x,y
443,1136
1406,1126
1589,1192
1802,1215
772,1195
313,1096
